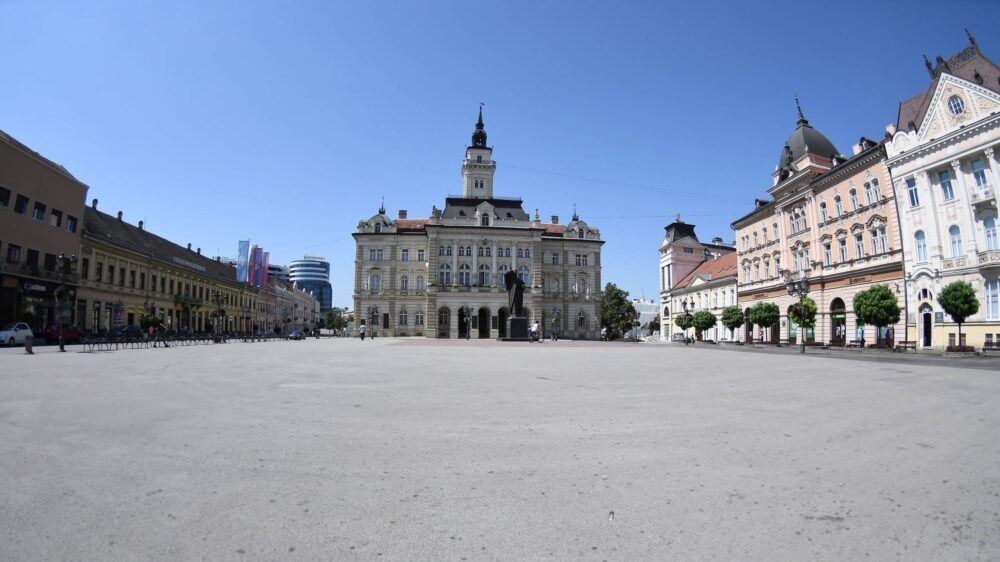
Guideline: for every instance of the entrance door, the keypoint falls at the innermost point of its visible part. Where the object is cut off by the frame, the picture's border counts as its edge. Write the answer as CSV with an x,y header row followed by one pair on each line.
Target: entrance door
x,y
927,319
444,323
484,323
838,323
502,323
464,322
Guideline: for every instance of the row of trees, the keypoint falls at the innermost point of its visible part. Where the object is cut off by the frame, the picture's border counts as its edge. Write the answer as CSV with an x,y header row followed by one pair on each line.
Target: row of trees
x,y
876,306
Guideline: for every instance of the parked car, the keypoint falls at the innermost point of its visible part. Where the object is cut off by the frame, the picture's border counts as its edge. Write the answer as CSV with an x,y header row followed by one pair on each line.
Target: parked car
x,y
127,332
71,334
14,333
679,336
296,335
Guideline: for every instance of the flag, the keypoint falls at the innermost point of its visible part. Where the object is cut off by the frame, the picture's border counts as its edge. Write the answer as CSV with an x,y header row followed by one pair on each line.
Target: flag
x,y
241,260
267,261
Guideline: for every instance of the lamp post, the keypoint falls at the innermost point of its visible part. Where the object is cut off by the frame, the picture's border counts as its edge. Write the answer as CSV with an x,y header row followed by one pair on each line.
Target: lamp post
x,y
64,266
217,297
798,286
687,318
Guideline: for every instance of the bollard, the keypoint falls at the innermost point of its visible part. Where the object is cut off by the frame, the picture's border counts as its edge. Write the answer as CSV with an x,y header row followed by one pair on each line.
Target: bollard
x,y
29,341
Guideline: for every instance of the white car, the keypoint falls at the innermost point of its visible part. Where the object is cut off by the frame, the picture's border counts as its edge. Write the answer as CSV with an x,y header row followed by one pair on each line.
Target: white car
x,y
14,333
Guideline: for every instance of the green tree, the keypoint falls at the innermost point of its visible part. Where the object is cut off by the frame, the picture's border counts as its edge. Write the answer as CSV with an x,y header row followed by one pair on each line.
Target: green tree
x,y
877,307
329,319
765,314
732,318
683,320
617,313
702,320
804,313
959,301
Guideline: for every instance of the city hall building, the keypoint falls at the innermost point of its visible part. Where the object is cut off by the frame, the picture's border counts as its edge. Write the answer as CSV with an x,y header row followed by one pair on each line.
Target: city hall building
x,y
442,276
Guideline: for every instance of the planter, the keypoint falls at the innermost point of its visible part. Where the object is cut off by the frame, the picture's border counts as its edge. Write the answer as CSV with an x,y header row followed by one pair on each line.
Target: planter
x,y
960,354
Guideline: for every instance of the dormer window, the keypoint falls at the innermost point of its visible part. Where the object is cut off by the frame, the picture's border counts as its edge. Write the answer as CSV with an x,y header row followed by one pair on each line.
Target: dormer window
x,y
479,158
580,234
485,220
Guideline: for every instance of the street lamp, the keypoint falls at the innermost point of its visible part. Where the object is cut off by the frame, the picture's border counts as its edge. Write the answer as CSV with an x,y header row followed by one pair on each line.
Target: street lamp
x,y
687,317
64,265
217,297
798,286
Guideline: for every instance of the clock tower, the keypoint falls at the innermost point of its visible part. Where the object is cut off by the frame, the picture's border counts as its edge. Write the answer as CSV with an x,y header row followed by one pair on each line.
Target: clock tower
x,y
478,167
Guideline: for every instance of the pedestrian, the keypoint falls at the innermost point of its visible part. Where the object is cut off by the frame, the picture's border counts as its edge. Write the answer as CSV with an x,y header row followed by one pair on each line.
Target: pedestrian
x,y
861,336
361,331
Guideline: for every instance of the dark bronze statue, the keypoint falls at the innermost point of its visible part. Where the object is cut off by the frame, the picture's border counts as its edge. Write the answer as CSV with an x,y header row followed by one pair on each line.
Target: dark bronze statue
x,y
515,292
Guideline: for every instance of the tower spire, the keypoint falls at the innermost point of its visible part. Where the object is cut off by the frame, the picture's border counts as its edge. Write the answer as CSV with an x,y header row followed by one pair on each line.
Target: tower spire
x,y
381,207
802,118
479,135
972,40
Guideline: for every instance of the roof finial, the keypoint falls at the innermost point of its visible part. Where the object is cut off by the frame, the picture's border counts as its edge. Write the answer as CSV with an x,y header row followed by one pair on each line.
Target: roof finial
x,y
381,207
677,217
479,124
930,67
802,118
575,217
972,40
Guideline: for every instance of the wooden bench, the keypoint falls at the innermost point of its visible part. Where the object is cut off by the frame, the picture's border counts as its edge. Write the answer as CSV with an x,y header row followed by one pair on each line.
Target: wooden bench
x,y
906,344
990,346
854,343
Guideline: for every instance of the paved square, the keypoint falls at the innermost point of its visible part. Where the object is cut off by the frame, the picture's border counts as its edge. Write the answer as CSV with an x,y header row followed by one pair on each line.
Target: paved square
x,y
425,450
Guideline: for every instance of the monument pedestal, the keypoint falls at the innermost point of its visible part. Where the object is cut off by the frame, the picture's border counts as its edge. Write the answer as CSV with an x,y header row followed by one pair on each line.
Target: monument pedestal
x,y
517,329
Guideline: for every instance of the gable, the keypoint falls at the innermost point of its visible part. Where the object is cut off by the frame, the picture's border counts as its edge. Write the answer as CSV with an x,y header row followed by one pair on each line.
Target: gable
x,y
977,102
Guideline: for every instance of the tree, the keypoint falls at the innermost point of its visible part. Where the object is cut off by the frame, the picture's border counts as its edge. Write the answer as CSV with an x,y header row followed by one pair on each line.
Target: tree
x,y
683,320
702,320
804,313
877,307
617,313
329,319
732,318
765,315
959,301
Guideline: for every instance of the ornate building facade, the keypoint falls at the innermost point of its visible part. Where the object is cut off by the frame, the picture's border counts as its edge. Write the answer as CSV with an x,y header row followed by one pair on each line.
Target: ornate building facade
x,y
442,276
831,219
944,157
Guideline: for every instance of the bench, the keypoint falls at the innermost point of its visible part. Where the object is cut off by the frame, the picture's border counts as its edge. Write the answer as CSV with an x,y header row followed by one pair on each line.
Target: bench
x,y
990,346
854,343
906,344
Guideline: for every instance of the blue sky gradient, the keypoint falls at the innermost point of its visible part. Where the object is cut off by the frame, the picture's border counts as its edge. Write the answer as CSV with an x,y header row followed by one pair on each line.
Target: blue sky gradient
x,y
286,122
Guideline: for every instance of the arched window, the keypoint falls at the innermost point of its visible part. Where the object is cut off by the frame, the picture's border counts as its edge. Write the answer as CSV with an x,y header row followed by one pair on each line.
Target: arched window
x,y
990,229
525,274
465,275
447,251
375,282
461,251
853,195
440,250
944,177
501,270
468,250
581,320
419,319
527,252
403,318
484,275
420,282
404,283
378,228
822,211
921,243
506,252
764,232
582,287
444,274
992,289
956,241
479,251
520,252
489,251
837,205
755,240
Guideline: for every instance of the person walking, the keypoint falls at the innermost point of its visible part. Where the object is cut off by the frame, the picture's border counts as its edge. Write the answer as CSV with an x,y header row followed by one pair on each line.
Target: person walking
x,y
361,330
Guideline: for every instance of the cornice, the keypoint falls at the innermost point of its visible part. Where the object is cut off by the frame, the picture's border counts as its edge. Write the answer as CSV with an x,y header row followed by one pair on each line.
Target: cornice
x,y
991,121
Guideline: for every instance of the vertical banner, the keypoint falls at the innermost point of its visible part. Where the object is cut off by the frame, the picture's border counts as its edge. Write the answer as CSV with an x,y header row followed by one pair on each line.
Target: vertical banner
x,y
267,262
252,279
242,249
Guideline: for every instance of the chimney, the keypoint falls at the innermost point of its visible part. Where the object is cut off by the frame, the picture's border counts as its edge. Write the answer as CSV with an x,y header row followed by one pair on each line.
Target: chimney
x,y
119,215
140,225
94,204
189,246
891,129
856,149
555,219
199,251
402,213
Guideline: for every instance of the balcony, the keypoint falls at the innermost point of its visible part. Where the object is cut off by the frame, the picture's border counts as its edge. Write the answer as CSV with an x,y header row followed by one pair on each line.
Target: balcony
x,y
39,273
982,195
954,263
989,258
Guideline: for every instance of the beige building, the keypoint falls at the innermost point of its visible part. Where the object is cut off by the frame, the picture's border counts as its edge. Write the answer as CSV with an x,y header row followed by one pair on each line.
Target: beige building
x,y
40,208
442,276
944,155
127,271
832,219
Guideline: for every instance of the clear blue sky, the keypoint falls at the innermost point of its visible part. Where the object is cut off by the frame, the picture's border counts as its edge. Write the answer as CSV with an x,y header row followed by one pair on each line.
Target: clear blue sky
x,y
287,121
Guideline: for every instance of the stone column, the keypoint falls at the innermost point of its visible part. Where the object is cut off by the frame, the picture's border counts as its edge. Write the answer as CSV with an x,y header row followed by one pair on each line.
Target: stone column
x,y
994,162
493,271
969,232
933,233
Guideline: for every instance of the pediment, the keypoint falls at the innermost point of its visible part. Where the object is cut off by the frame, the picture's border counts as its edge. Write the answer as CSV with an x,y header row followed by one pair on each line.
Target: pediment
x,y
977,102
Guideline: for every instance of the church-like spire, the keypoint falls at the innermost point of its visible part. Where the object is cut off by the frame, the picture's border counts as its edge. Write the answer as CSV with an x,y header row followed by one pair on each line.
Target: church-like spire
x,y
479,135
972,40
381,207
802,118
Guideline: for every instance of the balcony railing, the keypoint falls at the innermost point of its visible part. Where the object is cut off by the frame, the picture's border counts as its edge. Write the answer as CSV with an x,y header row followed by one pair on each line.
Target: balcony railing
x,y
954,263
982,193
989,257
39,273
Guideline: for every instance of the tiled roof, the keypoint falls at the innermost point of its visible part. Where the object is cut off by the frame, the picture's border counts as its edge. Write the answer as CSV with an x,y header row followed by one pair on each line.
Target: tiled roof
x,y
554,228
410,224
110,230
714,269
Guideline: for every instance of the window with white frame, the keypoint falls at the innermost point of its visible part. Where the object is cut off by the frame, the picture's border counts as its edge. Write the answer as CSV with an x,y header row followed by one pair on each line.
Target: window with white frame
x,y
763,232
921,245
419,317
956,241
859,246
527,252
371,254
375,282
404,255
378,254
979,172
822,211
878,240
911,191
838,206
777,266
581,259
852,194
444,274
992,290
480,251
421,256
524,273
756,271
447,250
876,191
746,271
944,176
420,282
404,282
461,251
403,317
755,244
555,258
440,250
465,275
484,275
827,255
990,231
842,246
581,320
520,252
767,267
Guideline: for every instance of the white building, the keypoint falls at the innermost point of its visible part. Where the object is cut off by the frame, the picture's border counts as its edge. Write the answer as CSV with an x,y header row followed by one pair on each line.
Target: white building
x,y
943,156
442,276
